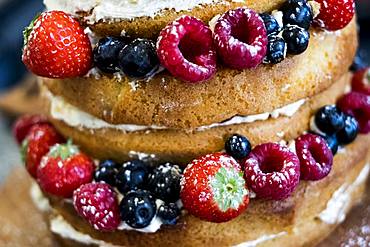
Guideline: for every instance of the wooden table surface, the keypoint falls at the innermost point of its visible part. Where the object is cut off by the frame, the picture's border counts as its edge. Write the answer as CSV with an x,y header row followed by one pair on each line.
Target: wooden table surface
x,y
21,225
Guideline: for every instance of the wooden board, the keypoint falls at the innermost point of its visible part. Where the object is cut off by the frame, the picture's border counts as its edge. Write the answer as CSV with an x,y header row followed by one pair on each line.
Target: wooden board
x,y
22,225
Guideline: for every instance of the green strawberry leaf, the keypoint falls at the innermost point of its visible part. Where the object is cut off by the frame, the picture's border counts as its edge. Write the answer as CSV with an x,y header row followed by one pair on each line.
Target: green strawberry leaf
x,y
27,30
64,151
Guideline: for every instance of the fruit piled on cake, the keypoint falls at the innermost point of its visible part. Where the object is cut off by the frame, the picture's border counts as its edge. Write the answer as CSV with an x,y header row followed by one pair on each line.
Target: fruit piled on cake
x,y
196,123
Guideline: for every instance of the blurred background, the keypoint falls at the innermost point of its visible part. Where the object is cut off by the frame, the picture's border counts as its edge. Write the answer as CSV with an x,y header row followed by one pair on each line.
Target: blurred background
x,y
15,15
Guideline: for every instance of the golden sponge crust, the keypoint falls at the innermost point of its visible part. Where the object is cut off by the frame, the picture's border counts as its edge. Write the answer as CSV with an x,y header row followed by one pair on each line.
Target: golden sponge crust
x,y
149,27
296,217
182,146
167,101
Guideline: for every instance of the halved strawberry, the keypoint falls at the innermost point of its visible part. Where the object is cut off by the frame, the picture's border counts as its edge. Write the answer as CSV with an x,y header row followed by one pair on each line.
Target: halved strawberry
x,y
213,188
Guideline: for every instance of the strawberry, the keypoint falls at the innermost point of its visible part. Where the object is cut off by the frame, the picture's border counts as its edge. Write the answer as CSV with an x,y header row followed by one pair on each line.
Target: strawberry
x,y
213,188
23,125
64,169
56,46
37,143
335,14
361,81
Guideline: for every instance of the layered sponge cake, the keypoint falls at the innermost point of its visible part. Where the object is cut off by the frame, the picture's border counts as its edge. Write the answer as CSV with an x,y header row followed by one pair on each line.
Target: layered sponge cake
x,y
196,123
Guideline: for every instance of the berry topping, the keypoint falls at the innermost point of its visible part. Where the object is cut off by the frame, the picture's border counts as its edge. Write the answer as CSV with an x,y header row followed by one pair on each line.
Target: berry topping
x,y
213,188
297,12
358,106
361,81
238,146
37,144
297,39
64,169
271,24
241,38
132,175
169,213
138,208
349,133
315,157
332,142
164,182
138,59
335,14
97,203
358,63
276,49
185,47
23,125
272,171
56,46
106,54
329,119
106,172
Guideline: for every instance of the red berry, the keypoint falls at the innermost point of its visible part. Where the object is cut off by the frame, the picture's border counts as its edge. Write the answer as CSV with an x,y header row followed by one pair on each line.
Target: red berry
x,y
23,125
97,203
56,46
241,38
315,156
63,170
213,188
361,81
37,144
272,171
185,47
357,105
335,14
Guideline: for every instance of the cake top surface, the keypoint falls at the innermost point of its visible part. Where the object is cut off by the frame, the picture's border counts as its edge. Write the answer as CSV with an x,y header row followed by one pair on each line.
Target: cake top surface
x,y
125,9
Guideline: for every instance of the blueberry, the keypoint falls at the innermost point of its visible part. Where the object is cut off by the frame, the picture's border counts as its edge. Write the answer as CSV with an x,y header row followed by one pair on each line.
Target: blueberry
x,y
358,64
349,133
132,175
330,119
271,24
169,213
238,146
106,54
106,172
296,38
297,12
276,49
138,208
139,58
164,182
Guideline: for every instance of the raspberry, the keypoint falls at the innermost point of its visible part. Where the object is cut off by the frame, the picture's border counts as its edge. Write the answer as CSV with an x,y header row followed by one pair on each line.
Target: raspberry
x,y
241,38
23,125
335,14
315,157
357,105
97,203
272,171
185,47
361,81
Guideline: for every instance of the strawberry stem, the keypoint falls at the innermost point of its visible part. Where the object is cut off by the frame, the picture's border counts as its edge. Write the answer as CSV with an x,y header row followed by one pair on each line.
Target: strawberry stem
x,y
27,30
228,187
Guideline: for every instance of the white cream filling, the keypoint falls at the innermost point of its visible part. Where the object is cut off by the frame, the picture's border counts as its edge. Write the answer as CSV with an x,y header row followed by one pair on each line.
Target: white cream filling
x,y
38,199
59,226
339,204
74,117
260,240
124,9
